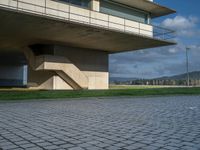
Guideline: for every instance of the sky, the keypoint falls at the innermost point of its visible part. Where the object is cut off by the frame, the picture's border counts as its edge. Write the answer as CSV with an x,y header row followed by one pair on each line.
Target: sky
x,y
170,60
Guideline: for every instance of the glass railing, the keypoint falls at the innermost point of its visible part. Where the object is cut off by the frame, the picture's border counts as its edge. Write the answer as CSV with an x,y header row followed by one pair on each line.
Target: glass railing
x,y
75,14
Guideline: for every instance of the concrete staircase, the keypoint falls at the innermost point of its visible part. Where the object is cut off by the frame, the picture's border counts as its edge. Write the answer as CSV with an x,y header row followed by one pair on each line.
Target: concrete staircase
x,y
62,66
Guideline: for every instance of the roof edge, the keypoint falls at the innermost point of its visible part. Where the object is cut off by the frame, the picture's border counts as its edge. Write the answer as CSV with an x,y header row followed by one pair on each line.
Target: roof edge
x,y
155,9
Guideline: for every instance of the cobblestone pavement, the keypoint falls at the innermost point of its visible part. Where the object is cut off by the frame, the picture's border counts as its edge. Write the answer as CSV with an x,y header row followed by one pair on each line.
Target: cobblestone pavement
x,y
167,123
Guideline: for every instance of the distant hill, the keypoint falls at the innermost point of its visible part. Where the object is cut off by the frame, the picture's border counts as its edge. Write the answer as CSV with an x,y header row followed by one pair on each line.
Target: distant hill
x,y
121,79
193,75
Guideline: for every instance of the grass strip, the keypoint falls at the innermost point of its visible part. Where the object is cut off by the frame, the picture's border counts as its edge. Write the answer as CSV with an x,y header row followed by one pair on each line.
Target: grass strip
x,y
45,94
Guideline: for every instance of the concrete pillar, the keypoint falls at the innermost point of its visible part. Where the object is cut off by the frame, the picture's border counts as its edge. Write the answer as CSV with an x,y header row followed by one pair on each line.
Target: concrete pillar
x,y
149,17
95,5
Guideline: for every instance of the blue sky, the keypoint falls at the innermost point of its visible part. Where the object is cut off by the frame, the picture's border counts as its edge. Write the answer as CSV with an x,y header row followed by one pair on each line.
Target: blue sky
x,y
169,60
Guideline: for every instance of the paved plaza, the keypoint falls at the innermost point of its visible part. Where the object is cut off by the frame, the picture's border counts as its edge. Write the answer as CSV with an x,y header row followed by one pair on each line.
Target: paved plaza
x,y
167,123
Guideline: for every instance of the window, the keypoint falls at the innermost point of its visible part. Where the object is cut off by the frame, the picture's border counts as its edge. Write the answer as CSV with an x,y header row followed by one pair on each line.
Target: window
x,y
82,3
123,11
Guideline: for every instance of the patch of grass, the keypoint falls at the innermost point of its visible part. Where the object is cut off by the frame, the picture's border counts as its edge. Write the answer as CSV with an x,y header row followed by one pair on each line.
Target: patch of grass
x,y
42,94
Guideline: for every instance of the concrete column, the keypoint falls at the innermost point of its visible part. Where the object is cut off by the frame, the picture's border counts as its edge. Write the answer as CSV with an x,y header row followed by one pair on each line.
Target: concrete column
x,y
95,5
148,19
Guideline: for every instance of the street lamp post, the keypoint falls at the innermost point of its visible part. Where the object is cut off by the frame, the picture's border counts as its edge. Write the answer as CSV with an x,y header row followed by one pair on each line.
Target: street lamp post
x,y
187,67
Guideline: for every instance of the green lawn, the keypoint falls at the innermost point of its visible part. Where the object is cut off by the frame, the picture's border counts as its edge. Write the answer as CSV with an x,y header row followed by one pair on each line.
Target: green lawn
x,y
145,91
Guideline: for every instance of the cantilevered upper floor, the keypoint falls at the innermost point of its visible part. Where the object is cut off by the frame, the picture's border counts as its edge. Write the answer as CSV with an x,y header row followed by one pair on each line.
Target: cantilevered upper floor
x,y
108,25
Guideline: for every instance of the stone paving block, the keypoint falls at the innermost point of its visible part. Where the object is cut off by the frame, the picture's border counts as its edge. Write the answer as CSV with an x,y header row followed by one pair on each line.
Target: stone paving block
x,y
8,147
59,142
29,145
128,142
158,145
150,147
102,145
93,148
34,148
76,148
174,144
135,146
6,143
84,145
19,148
51,147
66,146
171,148
75,142
119,145
43,144
113,148
93,142
189,148
22,142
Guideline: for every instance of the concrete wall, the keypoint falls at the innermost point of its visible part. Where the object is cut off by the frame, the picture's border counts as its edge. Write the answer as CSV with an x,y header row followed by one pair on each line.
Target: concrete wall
x,y
94,64
63,67
45,80
68,67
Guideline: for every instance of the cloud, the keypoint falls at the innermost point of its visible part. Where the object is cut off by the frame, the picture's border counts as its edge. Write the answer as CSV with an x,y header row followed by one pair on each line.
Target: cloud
x,y
180,22
173,50
197,47
185,26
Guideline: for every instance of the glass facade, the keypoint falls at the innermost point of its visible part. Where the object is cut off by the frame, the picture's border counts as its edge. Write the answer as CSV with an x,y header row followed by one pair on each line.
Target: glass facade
x,y
123,11
82,3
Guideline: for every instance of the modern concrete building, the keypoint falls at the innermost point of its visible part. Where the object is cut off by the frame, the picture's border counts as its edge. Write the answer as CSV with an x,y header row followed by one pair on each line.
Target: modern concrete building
x,y
65,44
